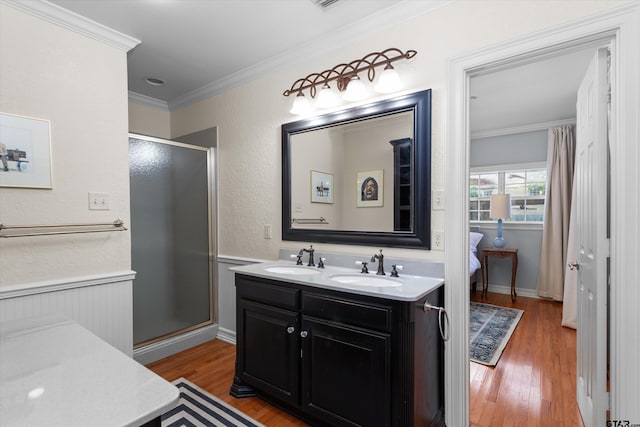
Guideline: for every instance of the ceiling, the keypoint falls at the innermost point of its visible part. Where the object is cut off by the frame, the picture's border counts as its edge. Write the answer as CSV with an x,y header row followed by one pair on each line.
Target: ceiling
x,y
202,47
195,45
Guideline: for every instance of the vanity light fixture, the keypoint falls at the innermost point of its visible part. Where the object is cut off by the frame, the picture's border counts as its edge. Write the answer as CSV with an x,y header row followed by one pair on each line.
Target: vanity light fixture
x,y
389,80
348,82
356,91
327,98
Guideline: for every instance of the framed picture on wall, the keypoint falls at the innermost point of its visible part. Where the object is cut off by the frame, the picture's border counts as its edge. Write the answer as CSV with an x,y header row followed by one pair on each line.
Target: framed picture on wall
x,y
370,189
25,152
321,187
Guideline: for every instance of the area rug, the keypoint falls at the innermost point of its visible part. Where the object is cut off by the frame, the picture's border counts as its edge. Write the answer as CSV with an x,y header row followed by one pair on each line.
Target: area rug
x,y
490,328
197,408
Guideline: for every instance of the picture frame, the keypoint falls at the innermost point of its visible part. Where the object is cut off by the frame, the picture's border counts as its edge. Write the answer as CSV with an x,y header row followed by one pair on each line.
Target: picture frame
x,y
321,187
370,189
25,152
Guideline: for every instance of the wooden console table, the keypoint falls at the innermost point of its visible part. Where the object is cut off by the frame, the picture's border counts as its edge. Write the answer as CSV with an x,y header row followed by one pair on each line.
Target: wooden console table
x,y
499,253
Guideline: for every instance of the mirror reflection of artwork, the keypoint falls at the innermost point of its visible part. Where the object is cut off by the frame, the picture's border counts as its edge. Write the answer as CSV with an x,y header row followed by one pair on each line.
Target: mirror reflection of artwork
x,y
370,188
321,187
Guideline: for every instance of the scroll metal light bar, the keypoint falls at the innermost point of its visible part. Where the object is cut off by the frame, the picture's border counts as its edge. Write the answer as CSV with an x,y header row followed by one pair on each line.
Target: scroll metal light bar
x,y
346,75
52,229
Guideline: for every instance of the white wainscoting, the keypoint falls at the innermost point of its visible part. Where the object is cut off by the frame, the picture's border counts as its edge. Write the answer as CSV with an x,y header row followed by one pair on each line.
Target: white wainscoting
x,y
103,304
227,295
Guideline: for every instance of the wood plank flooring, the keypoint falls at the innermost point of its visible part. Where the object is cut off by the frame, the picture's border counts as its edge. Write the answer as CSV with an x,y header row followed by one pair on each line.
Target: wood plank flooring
x,y
532,385
534,382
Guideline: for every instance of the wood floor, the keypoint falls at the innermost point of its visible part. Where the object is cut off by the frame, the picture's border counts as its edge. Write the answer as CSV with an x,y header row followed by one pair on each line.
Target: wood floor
x,y
533,383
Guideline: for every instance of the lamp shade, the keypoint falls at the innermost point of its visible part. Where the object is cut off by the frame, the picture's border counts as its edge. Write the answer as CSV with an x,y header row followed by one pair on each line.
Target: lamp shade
x,y
327,98
301,105
389,80
500,206
356,90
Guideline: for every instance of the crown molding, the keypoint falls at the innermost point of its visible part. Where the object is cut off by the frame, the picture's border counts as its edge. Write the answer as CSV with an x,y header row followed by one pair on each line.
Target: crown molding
x,y
148,100
74,22
392,15
522,129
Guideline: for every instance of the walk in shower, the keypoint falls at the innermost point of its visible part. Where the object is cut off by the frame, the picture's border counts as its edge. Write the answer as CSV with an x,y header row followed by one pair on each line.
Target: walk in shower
x,y
171,238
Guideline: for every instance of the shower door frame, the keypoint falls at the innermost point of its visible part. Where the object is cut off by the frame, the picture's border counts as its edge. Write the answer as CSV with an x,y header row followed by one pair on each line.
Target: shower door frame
x,y
210,225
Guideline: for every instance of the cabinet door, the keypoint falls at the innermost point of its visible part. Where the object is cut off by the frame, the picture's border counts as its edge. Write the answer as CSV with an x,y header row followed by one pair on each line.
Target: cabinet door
x,y
345,374
268,350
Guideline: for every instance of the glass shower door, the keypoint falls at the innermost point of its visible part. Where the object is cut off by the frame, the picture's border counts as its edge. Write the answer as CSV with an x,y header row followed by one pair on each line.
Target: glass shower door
x,y
170,238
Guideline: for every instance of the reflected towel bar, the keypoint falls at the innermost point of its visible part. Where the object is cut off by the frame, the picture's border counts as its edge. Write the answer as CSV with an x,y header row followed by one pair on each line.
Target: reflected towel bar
x,y
320,220
118,225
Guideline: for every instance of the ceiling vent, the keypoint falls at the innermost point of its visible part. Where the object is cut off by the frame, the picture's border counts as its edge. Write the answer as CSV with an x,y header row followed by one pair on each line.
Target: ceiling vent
x,y
324,3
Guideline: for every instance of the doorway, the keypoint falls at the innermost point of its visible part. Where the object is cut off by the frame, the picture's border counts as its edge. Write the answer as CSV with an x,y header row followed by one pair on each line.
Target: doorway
x,y
512,106
620,26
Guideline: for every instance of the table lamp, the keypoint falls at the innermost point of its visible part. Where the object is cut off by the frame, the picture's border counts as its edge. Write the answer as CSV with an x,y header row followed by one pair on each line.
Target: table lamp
x,y
500,208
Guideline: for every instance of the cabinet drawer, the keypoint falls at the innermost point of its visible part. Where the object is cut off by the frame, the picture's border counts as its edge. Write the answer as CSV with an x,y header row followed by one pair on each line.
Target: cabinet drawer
x,y
351,312
253,289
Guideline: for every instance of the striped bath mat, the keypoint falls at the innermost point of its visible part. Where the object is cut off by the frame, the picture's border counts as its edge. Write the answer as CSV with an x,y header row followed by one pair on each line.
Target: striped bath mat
x,y
197,408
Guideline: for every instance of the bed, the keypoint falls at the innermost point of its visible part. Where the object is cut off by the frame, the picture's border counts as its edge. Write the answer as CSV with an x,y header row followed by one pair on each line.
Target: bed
x,y
474,263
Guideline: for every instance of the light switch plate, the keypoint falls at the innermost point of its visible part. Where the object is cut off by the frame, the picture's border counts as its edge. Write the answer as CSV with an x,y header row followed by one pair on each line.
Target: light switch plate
x,y
437,200
98,201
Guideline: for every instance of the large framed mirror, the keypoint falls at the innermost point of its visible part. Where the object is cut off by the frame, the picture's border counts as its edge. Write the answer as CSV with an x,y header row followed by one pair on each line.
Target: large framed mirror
x,y
361,176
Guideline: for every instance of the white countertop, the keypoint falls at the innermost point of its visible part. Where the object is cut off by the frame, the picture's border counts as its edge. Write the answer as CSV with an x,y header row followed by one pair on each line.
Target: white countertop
x,y
53,372
411,288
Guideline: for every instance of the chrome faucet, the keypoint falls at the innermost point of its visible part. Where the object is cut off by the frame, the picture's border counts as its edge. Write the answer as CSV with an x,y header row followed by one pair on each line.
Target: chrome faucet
x,y
310,251
380,259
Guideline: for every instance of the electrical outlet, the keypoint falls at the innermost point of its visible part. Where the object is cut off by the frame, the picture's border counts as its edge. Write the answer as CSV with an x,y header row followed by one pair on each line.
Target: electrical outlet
x,y
438,200
438,240
267,231
98,201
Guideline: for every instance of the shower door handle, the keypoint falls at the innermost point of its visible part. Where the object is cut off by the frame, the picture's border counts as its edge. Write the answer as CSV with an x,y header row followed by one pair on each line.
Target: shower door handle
x,y
574,266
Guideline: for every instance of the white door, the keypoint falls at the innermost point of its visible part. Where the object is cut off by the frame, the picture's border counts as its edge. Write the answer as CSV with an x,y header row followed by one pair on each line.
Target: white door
x,y
593,243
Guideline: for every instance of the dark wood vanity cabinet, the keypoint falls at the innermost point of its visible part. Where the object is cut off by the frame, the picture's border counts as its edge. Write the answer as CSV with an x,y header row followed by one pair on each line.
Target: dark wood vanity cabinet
x,y
339,359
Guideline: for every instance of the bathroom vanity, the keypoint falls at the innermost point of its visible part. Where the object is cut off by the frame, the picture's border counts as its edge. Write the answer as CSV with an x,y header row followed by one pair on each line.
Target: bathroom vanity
x,y
339,348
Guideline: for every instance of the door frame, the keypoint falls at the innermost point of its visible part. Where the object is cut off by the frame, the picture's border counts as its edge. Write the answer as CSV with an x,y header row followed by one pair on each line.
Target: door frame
x,y
621,24
174,342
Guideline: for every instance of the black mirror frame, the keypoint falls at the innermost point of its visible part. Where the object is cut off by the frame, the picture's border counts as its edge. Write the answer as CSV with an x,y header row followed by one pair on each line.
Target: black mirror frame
x,y
419,237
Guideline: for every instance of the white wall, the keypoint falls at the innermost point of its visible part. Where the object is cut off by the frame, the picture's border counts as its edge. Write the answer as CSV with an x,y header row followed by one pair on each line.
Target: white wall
x,y
149,120
80,85
249,116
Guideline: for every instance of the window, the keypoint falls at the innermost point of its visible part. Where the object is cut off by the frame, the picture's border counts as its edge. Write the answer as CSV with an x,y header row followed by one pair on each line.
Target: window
x,y
528,188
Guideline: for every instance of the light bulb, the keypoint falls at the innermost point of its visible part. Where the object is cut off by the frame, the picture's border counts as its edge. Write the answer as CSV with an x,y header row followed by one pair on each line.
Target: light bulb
x,y
356,90
327,98
301,105
389,80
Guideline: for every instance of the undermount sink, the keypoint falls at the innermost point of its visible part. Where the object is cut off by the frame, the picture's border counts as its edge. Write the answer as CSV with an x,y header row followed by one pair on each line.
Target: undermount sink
x,y
290,269
364,280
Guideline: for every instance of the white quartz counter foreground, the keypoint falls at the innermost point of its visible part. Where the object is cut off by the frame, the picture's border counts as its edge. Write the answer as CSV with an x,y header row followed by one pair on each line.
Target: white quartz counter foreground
x,y
406,287
53,372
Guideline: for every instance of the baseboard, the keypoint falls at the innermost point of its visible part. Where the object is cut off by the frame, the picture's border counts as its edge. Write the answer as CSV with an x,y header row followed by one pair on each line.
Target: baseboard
x,y
170,346
226,335
501,289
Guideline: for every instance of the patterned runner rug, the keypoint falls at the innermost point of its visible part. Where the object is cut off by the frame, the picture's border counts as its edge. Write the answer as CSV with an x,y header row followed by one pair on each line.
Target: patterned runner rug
x,y
490,328
197,408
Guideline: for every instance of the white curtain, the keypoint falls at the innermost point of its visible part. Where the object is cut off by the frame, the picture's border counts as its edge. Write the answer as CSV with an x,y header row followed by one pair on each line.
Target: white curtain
x,y
561,149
